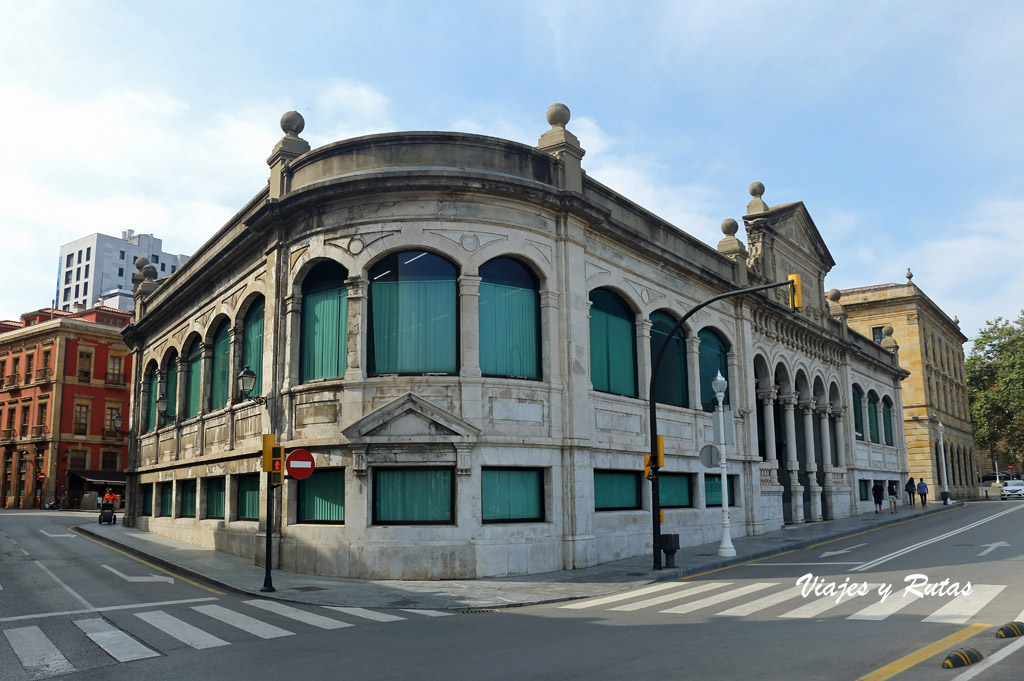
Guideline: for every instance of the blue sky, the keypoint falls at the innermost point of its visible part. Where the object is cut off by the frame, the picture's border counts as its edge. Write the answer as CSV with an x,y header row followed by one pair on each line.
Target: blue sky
x,y
897,124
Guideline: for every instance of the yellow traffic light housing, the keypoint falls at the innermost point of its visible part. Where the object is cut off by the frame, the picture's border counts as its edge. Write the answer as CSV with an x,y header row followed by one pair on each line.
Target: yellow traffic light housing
x,y
277,466
796,296
269,440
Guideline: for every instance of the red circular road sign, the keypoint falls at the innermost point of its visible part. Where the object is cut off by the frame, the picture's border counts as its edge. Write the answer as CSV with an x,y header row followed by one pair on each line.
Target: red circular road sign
x,y
41,476
300,464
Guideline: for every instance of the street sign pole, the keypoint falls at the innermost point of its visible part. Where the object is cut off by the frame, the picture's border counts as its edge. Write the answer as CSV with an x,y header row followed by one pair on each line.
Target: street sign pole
x,y
268,582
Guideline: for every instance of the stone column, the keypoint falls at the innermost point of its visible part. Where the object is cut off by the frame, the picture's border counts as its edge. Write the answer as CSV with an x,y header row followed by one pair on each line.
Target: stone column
x,y
693,370
643,357
357,287
590,374
809,456
826,443
469,323
841,439
292,323
237,338
796,498
767,398
550,337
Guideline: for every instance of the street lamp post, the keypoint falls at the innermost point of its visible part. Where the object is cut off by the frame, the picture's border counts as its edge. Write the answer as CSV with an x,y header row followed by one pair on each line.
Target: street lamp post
x,y
726,549
942,458
246,382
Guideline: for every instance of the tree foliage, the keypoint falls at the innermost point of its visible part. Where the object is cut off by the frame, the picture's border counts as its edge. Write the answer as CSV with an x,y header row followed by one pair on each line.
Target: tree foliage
x,y
995,388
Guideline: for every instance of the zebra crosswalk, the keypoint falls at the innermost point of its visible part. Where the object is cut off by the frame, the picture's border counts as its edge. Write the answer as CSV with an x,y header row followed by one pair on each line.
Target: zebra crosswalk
x,y
39,656
717,599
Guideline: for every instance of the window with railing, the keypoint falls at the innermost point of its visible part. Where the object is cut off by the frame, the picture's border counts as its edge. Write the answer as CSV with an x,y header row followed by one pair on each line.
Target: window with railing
x,y
29,360
24,421
115,373
81,420
84,366
39,430
109,430
110,461
78,459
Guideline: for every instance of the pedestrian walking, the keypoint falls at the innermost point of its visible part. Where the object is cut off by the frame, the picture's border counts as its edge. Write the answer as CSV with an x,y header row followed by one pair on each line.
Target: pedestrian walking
x,y
894,496
911,490
878,492
922,491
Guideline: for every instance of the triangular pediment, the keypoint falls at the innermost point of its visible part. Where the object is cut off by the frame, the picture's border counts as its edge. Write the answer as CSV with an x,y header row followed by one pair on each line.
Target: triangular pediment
x,y
411,418
794,231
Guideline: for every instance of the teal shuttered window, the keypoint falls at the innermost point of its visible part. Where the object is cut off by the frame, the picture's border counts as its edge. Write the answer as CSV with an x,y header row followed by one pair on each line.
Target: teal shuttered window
x,y
675,490
247,501
324,335
887,420
188,498
616,490
322,497
612,344
509,314
172,389
512,494
413,315
166,498
413,496
147,500
220,363
151,386
873,416
252,344
193,380
858,413
671,386
215,497
714,358
713,489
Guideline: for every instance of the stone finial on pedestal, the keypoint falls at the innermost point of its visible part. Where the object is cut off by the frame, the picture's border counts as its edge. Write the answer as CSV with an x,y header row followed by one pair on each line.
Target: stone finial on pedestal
x,y
564,146
835,308
733,248
910,275
756,205
288,149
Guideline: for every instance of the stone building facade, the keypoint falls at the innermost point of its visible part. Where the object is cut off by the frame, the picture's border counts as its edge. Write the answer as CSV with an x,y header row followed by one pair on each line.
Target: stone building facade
x,y
931,349
460,329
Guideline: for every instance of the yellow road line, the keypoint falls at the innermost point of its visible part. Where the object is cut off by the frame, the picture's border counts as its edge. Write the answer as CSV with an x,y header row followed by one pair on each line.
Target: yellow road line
x,y
918,656
148,564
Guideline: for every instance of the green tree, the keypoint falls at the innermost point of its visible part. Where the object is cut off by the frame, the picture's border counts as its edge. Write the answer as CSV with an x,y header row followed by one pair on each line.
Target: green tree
x,y
995,388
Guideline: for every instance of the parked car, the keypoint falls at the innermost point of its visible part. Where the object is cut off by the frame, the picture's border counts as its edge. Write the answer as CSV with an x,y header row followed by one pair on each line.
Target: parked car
x,y
1012,489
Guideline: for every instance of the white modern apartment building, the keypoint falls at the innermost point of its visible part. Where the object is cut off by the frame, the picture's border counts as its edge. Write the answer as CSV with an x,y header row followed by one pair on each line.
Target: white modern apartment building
x,y
94,268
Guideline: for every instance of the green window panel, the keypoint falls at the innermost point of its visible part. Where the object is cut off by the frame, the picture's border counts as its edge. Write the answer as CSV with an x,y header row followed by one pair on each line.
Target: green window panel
x,y
188,498
509,320
166,498
220,363
858,413
322,497
612,344
713,358
324,335
172,389
887,420
147,500
675,490
193,380
247,501
873,417
215,497
671,386
151,386
864,489
252,344
616,490
413,496
713,489
512,494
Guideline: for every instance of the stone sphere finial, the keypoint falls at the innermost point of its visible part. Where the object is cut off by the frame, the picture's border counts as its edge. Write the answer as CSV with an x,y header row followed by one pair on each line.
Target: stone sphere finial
x,y
149,272
910,275
756,189
292,123
729,227
956,320
887,331
834,295
140,263
558,115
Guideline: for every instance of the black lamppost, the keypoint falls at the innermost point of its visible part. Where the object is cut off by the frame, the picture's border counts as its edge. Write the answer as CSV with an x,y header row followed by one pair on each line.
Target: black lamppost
x,y
246,382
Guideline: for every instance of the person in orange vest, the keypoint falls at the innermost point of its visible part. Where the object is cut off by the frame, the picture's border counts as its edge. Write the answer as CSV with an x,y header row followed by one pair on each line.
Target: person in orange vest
x,y
110,496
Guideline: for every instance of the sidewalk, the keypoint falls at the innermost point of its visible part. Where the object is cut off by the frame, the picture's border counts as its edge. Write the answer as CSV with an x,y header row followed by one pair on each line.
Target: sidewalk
x,y
235,574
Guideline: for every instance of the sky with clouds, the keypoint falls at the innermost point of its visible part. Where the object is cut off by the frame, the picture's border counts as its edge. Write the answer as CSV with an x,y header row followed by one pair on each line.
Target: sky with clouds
x,y
897,124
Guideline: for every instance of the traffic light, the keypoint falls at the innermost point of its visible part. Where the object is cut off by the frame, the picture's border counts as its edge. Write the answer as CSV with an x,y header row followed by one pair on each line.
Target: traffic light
x,y
796,296
650,471
277,465
269,440
653,463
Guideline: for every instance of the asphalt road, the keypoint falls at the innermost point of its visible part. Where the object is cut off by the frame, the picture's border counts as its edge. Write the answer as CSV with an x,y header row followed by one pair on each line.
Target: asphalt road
x,y
73,608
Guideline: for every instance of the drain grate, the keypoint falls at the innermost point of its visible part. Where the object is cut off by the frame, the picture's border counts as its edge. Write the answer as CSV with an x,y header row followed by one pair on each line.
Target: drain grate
x,y
309,588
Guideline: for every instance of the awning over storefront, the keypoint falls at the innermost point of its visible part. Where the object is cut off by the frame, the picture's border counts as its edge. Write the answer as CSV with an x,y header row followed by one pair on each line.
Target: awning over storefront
x,y
113,478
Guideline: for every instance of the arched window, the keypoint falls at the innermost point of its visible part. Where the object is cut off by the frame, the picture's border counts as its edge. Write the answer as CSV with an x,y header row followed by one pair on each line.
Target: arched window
x,y
858,412
252,343
192,358
413,315
152,379
873,416
323,342
671,386
220,362
714,358
887,420
171,369
612,344
509,320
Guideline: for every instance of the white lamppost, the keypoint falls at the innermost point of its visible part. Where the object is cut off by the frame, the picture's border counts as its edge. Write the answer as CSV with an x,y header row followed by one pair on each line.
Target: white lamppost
x,y
719,385
942,457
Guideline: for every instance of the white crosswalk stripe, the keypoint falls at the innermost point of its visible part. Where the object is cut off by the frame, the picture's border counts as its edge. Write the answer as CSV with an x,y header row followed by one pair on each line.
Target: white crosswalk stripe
x,y
821,605
244,622
298,615
37,653
882,609
964,606
366,614
183,631
604,600
718,598
117,643
674,596
762,603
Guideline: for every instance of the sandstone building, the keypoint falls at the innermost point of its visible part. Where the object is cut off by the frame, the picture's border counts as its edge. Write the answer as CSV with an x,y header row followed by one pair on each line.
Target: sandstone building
x,y
460,329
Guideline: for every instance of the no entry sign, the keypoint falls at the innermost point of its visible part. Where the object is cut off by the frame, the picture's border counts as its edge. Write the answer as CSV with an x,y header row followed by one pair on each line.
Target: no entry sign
x,y
299,464
41,476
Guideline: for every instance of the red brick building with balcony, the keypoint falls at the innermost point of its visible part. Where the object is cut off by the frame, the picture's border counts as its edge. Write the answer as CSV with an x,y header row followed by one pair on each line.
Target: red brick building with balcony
x,y
66,377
